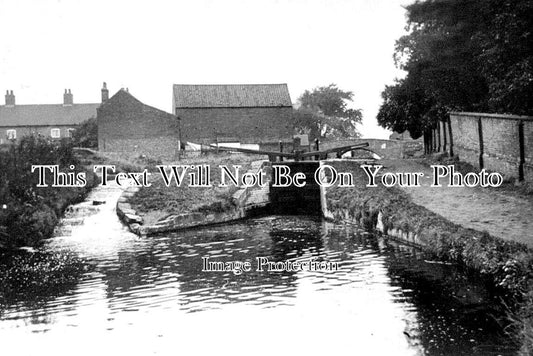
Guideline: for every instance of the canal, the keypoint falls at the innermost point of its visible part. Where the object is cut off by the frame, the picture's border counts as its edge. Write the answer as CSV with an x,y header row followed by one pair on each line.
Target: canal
x,y
130,295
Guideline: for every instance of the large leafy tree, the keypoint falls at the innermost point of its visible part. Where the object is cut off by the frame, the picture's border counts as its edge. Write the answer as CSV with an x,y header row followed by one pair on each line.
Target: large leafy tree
x,y
506,57
404,107
469,55
324,113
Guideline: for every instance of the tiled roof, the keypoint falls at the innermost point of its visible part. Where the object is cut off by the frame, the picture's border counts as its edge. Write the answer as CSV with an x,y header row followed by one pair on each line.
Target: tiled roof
x,y
231,95
46,114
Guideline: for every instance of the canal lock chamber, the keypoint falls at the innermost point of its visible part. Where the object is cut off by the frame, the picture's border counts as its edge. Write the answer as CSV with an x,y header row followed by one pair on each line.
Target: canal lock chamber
x,y
293,199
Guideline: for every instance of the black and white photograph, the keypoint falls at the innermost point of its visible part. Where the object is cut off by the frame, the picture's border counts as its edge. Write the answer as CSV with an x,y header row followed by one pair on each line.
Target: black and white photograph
x,y
267,177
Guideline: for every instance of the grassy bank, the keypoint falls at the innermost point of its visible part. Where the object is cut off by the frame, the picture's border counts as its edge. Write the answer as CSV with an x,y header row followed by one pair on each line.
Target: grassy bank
x,y
157,202
28,213
508,264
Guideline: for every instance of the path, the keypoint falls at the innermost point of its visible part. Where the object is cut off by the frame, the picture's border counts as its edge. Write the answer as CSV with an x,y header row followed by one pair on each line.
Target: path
x,y
507,215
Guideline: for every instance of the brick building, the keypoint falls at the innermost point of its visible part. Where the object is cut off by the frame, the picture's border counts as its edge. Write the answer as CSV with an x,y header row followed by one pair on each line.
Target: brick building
x,y
51,120
251,116
126,125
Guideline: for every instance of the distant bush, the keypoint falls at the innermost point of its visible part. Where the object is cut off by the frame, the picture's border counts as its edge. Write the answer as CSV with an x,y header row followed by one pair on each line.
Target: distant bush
x,y
29,213
86,135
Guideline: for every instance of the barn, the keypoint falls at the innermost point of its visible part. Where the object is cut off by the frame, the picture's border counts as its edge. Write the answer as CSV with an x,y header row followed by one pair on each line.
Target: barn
x,y
244,115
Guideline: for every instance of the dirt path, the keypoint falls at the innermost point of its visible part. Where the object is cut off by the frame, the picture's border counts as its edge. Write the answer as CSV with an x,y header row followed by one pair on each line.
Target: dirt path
x,y
501,214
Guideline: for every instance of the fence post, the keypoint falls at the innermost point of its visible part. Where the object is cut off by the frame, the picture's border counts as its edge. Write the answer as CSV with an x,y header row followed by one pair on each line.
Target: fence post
x,y
444,135
480,137
438,136
451,135
434,136
521,141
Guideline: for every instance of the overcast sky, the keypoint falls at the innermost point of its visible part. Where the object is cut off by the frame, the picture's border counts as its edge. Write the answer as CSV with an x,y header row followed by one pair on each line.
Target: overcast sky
x,y
49,45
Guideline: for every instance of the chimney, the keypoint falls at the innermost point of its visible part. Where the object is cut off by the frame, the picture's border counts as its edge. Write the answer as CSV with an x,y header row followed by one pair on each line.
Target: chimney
x,y
105,93
68,98
10,98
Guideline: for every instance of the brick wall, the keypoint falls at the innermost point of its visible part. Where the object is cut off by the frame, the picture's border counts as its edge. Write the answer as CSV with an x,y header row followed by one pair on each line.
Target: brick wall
x,y
493,141
465,139
164,147
245,125
126,125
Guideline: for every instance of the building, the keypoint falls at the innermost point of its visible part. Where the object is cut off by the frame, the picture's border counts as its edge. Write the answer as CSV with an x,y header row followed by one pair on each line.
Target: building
x,y
51,120
127,126
250,116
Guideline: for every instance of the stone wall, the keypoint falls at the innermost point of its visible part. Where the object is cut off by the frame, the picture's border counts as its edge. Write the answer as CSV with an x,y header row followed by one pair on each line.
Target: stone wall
x,y
499,143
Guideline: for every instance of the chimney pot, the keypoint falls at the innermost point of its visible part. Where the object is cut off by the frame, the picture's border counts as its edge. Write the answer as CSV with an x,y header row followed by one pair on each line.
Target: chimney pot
x,y
105,93
68,99
10,98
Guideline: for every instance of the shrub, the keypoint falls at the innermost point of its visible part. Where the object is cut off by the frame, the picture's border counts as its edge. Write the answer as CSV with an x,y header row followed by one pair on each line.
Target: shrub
x,y
86,135
29,213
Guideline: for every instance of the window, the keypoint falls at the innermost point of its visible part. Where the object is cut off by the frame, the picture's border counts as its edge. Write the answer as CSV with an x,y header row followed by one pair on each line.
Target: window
x,y
11,134
70,132
55,133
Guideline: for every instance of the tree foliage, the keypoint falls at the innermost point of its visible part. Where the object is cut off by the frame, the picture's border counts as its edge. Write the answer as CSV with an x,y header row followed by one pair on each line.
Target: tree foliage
x,y
468,55
86,135
28,213
324,112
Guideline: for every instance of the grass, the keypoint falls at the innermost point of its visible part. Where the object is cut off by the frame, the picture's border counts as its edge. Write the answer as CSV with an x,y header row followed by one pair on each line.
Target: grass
x,y
509,186
159,201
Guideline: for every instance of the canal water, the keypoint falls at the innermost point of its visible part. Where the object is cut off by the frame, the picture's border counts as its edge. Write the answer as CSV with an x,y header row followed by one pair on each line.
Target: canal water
x,y
114,293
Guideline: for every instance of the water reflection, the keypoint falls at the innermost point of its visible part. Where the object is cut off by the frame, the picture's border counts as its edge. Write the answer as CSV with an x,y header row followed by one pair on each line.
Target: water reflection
x,y
150,296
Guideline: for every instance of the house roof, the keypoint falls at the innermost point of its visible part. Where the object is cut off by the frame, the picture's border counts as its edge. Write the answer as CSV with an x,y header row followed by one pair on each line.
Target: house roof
x,y
231,95
46,114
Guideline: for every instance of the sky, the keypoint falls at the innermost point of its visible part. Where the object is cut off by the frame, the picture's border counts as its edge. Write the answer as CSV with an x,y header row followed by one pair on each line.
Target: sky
x,y
48,46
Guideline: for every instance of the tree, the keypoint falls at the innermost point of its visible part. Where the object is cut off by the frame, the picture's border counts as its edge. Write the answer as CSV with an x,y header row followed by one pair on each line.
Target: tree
x,y
86,135
323,112
403,108
466,55
506,58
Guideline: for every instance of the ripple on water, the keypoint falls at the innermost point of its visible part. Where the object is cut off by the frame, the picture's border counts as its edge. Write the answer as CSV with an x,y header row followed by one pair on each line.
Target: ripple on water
x,y
150,289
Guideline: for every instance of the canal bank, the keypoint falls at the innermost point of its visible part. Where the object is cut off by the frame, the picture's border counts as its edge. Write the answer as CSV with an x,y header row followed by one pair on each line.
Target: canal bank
x,y
392,212
211,206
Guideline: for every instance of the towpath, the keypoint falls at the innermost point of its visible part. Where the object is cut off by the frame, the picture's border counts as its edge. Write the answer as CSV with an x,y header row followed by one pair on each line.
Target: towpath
x,y
502,213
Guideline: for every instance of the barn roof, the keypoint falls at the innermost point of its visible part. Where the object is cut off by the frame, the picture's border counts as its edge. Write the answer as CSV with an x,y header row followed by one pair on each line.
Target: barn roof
x,y
231,95
46,114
